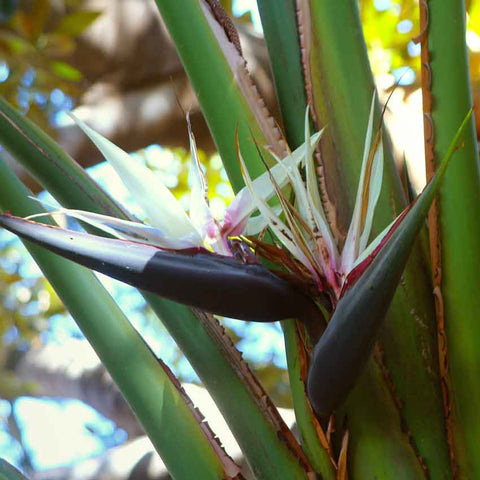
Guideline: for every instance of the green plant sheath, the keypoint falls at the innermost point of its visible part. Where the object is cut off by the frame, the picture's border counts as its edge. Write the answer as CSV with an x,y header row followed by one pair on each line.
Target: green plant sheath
x,y
343,85
156,402
281,36
223,104
369,438
279,24
459,202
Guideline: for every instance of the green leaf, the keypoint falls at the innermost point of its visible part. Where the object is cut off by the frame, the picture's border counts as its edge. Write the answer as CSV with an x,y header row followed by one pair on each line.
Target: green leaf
x,y
166,418
74,24
279,22
456,277
65,71
231,102
9,472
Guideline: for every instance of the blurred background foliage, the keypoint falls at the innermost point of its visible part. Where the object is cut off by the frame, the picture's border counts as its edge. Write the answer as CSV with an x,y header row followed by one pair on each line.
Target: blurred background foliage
x,y
36,42
51,60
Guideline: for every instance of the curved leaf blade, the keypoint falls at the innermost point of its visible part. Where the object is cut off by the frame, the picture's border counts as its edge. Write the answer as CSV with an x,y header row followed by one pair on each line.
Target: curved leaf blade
x,y
167,420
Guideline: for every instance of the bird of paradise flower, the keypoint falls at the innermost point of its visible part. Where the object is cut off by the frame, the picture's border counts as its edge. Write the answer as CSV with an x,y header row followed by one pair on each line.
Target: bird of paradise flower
x,y
216,264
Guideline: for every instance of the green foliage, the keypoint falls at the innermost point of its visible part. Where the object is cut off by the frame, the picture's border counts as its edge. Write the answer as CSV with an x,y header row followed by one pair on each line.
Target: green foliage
x,y
412,411
36,44
388,34
8,472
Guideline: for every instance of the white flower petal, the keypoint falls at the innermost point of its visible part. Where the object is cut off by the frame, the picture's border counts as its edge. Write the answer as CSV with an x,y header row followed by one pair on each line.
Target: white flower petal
x,y
314,216
256,224
283,233
161,207
314,193
351,248
373,245
200,214
125,229
243,205
374,193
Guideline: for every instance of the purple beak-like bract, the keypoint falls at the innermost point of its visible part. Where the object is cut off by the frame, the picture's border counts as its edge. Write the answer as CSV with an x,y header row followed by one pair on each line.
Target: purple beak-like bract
x,y
194,277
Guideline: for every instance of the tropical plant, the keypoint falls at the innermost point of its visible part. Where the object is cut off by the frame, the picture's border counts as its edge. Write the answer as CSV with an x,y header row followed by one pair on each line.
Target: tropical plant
x,y
409,411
